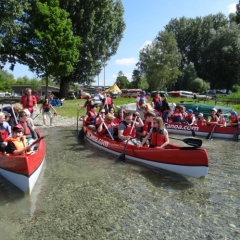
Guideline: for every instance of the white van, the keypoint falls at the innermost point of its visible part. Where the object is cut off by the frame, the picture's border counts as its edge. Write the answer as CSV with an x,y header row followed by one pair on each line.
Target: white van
x,y
186,94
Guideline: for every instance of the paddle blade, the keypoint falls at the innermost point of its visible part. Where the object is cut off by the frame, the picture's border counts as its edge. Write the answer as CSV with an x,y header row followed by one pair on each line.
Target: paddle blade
x,y
121,157
81,134
194,142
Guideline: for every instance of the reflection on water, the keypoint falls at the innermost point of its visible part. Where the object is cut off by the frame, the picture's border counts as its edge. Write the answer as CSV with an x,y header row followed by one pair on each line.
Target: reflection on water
x,y
84,195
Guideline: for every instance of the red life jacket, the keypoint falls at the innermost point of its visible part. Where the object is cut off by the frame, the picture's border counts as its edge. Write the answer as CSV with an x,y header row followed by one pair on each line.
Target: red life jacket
x,y
157,103
234,119
189,118
27,130
3,132
46,107
177,117
201,122
109,127
91,118
108,101
213,119
147,126
157,139
128,128
221,120
26,104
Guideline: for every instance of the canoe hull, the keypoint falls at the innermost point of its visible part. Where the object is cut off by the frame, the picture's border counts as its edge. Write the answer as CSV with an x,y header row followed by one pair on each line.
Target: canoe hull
x,y
188,161
202,131
23,172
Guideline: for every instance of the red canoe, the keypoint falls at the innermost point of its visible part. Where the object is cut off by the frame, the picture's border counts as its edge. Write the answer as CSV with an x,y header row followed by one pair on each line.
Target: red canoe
x,y
23,172
183,160
219,132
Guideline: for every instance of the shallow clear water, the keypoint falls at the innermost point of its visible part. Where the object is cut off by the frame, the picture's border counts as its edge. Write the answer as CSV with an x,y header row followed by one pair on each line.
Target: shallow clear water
x,y
82,194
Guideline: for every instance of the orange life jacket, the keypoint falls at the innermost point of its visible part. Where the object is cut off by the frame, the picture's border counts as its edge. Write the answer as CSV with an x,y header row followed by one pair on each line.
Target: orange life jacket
x,y
19,144
157,138
104,131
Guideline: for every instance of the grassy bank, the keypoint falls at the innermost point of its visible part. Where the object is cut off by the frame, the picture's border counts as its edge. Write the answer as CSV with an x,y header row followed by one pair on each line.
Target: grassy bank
x,y
69,107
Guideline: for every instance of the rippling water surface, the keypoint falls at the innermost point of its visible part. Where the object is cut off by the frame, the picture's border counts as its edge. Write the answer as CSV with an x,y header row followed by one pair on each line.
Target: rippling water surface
x,y
82,194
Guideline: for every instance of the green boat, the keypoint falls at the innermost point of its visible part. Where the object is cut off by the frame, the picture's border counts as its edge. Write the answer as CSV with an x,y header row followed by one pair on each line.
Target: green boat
x,y
205,109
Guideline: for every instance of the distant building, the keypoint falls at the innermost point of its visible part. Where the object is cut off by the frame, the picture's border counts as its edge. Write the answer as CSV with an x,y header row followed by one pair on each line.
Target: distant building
x,y
20,89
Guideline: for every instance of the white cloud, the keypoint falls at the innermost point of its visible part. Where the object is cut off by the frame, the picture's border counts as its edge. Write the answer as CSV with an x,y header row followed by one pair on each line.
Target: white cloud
x,y
145,44
231,8
126,61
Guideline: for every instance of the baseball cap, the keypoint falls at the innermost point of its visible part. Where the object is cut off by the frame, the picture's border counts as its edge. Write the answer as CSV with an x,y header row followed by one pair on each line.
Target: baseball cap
x,y
234,113
214,109
18,128
200,114
190,111
143,93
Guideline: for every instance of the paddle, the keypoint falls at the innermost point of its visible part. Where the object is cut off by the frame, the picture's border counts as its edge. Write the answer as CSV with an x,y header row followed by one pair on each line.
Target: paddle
x,y
121,157
36,116
210,134
81,134
106,127
14,115
193,132
38,140
236,134
194,142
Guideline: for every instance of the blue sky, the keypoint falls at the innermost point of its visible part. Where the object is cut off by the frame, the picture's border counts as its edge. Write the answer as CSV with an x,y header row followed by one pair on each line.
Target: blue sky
x,y
144,19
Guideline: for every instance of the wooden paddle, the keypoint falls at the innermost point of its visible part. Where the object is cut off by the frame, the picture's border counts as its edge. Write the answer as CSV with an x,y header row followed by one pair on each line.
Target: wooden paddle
x,y
121,157
194,142
210,134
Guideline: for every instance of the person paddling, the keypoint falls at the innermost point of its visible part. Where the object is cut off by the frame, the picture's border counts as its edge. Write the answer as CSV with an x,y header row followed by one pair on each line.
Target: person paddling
x,y
158,135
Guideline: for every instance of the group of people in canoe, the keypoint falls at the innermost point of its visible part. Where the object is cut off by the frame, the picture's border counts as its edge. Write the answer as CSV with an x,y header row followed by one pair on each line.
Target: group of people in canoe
x,y
17,130
147,123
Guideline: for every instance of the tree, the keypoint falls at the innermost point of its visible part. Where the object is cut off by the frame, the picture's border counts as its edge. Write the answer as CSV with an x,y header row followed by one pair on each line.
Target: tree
x,y
122,80
189,75
100,25
46,43
198,85
159,62
192,36
238,12
5,79
10,10
222,57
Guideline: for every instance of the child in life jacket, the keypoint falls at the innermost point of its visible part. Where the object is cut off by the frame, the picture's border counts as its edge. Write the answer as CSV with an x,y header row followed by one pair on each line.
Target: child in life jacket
x,y
233,119
46,110
5,131
212,118
221,119
200,121
17,144
158,135
190,117
106,127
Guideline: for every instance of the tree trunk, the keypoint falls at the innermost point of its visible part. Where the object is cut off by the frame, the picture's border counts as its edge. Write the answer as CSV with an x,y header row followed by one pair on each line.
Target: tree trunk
x,y
64,87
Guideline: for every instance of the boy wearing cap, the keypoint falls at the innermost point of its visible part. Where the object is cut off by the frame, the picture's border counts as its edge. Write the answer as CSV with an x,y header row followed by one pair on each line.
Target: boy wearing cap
x,y
141,100
190,117
17,144
233,119
212,118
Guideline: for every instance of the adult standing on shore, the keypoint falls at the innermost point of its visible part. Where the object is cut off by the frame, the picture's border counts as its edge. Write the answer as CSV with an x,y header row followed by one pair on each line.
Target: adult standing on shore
x,y
29,101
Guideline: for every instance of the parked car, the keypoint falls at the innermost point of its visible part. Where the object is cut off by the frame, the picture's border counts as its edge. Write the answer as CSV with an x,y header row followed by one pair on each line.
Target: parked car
x,y
210,93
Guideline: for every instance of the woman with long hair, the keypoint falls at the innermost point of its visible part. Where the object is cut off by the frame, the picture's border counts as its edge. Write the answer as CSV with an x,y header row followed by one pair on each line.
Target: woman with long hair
x,y
158,135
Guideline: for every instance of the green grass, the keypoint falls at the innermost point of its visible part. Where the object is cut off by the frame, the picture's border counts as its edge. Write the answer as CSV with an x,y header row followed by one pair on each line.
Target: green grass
x,y
69,107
